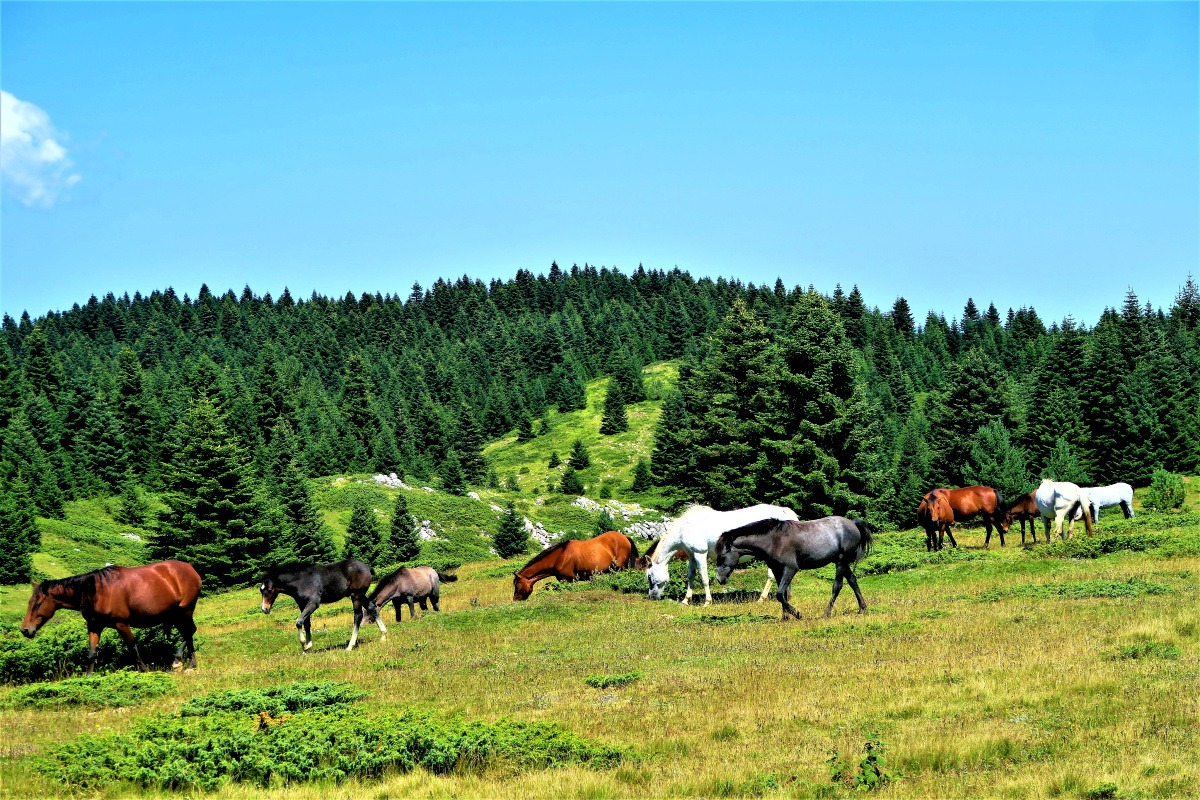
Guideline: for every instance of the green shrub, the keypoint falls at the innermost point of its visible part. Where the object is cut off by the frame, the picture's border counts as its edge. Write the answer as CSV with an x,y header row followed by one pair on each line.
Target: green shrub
x,y
61,649
114,690
1166,491
321,740
1150,649
276,700
610,681
1133,587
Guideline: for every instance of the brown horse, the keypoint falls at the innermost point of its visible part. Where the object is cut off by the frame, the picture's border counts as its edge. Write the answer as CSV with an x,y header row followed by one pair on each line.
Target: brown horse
x,y
410,585
964,503
576,559
122,597
1024,509
935,516
643,561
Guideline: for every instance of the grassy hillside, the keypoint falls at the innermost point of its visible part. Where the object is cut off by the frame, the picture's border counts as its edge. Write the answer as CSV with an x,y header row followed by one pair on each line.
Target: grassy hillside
x,y
1015,672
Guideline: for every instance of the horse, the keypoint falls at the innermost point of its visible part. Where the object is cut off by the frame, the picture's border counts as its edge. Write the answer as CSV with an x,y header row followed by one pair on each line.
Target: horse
x,y
1024,509
122,597
409,585
1118,494
311,585
968,502
1058,499
935,516
576,559
696,531
645,558
789,547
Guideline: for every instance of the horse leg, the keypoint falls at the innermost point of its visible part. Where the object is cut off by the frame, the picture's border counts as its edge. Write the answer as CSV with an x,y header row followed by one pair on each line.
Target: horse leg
x,y
766,592
1126,509
1059,516
691,576
702,565
433,598
374,611
187,629
358,615
93,643
784,591
950,533
862,604
412,608
304,626
837,587
130,642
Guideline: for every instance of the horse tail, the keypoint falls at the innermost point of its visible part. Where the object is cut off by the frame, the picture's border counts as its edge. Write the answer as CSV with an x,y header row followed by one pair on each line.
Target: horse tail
x,y
1001,508
446,577
632,560
865,541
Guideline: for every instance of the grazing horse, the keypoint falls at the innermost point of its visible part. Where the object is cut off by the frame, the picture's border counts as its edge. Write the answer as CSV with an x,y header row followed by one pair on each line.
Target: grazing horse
x,y
935,516
789,547
1118,494
576,559
311,585
1024,509
1059,499
968,502
122,597
410,585
696,531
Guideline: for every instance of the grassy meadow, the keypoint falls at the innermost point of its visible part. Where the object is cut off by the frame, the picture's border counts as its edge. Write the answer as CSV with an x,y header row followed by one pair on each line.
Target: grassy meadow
x,y
1011,672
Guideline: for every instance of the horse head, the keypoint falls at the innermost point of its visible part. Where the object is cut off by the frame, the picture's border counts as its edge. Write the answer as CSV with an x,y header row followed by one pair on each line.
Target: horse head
x,y
41,608
522,587
728,557
269,591
658,576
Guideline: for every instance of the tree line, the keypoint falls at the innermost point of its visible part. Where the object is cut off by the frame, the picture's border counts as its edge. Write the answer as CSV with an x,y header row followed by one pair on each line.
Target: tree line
x,y
224,405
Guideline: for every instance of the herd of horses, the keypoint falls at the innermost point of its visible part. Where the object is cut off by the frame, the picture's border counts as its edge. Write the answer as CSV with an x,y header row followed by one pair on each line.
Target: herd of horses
x,y
165,593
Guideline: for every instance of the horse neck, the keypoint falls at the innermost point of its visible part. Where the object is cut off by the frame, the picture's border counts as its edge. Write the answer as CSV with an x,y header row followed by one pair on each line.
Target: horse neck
x,y
670,543
64,596
541,568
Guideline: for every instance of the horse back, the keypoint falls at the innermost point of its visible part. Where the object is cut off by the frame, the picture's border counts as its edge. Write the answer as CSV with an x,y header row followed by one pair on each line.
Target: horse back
x,y
145,594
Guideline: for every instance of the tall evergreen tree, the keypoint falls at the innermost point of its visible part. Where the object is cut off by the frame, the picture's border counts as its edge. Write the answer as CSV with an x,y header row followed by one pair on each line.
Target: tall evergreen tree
x,y
995,460
469,446
570,483
405,540
306,537
365,540
973,396
19,534
672,457
580,459
614,419
454,480
213,519
511,538
1063,464
642,479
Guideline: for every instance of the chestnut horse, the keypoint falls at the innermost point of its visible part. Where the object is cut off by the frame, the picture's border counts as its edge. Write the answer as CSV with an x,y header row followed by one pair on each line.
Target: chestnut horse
x,y
963,503
122,597
576,559
1024,509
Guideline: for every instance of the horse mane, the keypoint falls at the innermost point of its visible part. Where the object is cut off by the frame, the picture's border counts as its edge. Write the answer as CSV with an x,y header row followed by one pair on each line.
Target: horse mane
x,y
554,548
283,569
761,526
631,562
82,585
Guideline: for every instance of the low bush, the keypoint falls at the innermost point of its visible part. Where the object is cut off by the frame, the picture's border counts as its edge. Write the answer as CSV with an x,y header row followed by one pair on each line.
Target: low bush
x,y
229,742
611,681
1166,491
276,700
117,689
1076,590
1150,649
1136,535
61,649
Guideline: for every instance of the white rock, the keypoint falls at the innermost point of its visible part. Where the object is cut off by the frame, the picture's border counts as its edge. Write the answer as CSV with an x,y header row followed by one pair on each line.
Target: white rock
x,y
473,495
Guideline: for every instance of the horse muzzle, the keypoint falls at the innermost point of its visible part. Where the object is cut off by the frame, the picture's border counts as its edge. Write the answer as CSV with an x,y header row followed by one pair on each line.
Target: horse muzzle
x,y
28,632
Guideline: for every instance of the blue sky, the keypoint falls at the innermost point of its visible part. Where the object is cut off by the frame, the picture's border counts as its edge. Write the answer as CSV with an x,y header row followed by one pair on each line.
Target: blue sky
x,y
1016,153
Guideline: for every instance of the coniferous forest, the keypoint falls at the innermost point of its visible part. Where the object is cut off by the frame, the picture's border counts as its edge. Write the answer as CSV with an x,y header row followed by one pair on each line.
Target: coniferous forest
x,y
223,406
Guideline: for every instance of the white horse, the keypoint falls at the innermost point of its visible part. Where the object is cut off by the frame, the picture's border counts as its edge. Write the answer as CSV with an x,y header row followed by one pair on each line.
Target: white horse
x,y
697,531
1119,494
1057,499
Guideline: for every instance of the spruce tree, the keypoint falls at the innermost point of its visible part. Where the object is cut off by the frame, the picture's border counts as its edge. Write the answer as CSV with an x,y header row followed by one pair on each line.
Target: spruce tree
x,y
628,374
614,419
555,462
579,456
973,396
511,537
642,479
213,519
1063,464
673,456
364,538
469,446
132,506
21,454
570,483
453,479
604,522
525,428
19,534
306,537
405,541
995,460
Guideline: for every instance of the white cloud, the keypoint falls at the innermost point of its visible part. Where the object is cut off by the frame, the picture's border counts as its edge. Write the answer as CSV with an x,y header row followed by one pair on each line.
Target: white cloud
x,y
34,166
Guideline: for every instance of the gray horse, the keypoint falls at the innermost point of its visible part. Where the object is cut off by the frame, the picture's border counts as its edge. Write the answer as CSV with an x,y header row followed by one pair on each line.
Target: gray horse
x,y
788,547
410,585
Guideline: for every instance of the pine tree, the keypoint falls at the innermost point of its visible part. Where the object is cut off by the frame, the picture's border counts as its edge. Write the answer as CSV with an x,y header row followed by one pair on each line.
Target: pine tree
x,y
213,519
628,374
604,522
995,460
19,534
525,428
306,537
642,479
1063,465
453,479
511,537
570,483
132,506
405,541
20,454
469,446
973,396
555,462
579,456
364,538
672,457
614,419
